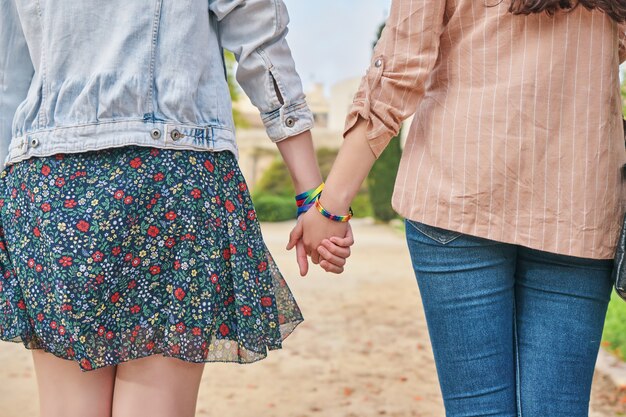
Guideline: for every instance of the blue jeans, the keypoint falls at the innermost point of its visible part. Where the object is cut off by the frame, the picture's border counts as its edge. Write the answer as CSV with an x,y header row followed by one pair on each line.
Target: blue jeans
x,y
515,331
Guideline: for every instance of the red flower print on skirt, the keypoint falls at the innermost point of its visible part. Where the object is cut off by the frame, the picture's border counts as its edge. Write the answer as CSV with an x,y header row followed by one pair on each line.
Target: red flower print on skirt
x,y
82,225
179,294
136,251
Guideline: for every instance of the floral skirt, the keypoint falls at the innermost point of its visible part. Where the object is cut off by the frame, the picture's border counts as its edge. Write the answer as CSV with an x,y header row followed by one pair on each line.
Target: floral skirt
x,y
112,255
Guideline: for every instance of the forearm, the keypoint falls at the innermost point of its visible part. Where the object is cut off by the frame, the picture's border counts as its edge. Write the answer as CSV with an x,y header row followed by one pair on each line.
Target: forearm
x,y
353,164
299,156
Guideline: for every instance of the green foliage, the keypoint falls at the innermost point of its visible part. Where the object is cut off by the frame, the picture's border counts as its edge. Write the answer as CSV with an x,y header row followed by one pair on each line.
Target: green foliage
x,y
231,61
233,87
381,181
361,205
274,194
274,208
276,181
325,158
614,337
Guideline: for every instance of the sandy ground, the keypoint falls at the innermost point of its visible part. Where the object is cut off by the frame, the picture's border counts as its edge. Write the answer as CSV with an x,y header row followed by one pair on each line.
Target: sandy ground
x,y
362,351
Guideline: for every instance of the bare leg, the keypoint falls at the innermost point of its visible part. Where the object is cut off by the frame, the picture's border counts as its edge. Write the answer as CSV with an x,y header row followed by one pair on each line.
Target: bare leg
x,y
156,386
66,391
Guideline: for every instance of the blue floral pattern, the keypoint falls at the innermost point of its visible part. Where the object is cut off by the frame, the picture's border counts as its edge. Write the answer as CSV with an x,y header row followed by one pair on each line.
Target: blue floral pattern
x,y
112,255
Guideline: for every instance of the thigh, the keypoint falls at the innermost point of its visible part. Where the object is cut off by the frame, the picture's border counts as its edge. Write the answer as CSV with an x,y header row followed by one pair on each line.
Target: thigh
x,y
466,284
156,386
67,391
561,307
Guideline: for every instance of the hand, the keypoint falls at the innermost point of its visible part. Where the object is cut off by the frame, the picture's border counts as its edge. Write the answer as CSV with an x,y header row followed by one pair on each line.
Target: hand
x,y
334,251
312,229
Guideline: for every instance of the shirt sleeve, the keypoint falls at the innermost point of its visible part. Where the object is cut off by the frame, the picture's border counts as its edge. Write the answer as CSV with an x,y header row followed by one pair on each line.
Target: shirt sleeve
x,y
255,31
622,42
16,71
402,61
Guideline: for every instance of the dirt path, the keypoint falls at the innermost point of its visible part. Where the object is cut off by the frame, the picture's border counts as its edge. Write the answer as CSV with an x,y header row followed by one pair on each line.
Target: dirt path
x,y
363,350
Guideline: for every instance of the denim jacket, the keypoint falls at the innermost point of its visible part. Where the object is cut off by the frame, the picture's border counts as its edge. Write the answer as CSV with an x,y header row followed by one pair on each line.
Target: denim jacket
x,y
91,74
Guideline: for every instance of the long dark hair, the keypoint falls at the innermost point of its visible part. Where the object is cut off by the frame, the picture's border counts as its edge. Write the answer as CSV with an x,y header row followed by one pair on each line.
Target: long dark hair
x,y
616,9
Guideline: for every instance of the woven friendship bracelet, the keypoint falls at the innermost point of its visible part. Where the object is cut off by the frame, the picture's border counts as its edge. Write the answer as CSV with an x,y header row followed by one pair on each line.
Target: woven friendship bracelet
x,y
331,216
306,200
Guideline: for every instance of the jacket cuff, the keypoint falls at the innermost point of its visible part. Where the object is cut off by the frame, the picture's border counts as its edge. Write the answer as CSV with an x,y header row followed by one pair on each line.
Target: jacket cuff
x,y
288,121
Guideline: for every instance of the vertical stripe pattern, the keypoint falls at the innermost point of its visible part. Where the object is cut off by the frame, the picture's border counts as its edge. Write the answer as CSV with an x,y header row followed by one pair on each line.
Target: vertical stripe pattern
x,y
517,135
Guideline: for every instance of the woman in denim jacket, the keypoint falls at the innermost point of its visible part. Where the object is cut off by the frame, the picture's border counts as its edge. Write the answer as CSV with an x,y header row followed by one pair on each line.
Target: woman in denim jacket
x,y
128,235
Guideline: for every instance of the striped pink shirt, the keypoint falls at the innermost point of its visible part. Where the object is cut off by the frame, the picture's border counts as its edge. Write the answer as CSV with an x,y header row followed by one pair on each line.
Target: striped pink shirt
x,y
518,135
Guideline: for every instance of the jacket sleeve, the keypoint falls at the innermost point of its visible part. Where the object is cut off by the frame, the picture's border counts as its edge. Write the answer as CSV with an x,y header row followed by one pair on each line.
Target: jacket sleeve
x,y
16,71
402,61
255,30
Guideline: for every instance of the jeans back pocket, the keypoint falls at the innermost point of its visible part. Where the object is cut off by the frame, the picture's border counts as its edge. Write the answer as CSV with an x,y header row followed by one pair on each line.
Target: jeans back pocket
x,y
437,234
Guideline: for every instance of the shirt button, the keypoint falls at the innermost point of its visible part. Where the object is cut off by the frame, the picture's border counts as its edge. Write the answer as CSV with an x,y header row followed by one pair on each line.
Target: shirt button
x,y
378,63
290,122
155,133
34,142
176,134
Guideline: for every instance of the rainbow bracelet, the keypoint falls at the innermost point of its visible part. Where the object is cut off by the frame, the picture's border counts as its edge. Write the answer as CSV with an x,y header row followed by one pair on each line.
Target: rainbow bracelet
x,y
331,216
306,200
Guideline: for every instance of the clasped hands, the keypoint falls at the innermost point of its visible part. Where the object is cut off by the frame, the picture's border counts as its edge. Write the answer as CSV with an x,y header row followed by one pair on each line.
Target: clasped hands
x,y
325,241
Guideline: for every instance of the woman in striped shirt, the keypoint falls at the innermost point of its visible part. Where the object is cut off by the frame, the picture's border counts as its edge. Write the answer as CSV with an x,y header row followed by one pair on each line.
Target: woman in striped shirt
x,y
510,184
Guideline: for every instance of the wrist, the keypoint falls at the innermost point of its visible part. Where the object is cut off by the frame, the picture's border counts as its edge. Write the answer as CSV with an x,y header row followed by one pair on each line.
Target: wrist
x,y
335,203
334,207
299,156
336,217
306,200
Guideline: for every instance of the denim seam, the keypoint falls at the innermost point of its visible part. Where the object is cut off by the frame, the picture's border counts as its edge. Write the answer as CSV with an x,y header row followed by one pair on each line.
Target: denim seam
x,y
518,384
273,99
276,18
112,122
155,33
287,109
41,117
425,232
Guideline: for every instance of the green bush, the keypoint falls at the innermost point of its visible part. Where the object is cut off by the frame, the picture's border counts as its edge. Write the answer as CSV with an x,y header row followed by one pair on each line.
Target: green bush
x,y
273,195
614,337
325,158
276,181
361,205
274,208
381,181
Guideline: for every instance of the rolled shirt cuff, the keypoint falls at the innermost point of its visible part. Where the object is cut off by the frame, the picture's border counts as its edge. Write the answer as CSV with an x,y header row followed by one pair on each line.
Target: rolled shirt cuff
x,y
378,134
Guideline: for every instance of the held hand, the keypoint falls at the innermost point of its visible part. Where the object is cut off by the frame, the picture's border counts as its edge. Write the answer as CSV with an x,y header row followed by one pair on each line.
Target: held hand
x,y
316,228
338,247
335,251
